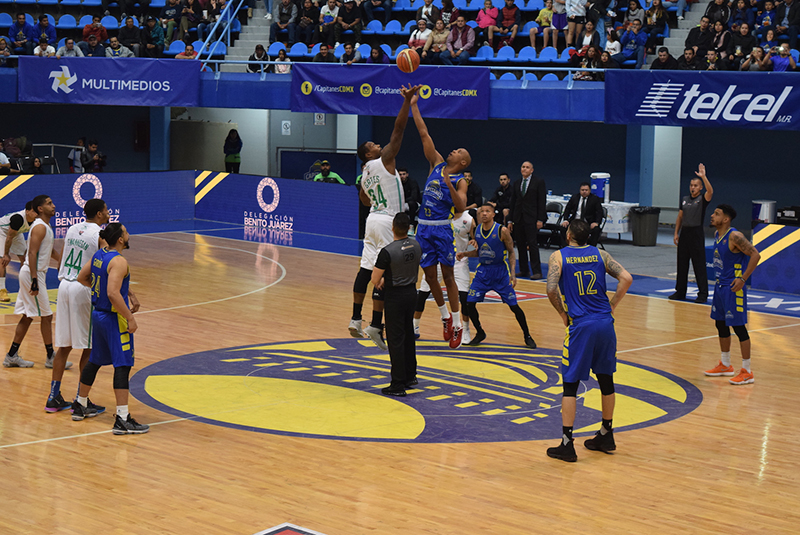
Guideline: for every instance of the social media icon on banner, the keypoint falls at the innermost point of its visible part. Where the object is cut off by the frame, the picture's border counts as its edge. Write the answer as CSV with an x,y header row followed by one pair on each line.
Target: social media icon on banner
x,y
366,90
306,88
425,92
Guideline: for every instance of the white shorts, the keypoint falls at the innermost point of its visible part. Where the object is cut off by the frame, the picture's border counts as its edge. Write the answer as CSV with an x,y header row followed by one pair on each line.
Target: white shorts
x,y
17,244
378,234
460,271
33,307
73,315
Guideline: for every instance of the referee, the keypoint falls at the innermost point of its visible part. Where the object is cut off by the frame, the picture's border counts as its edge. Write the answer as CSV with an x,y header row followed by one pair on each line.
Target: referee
x,y
396,272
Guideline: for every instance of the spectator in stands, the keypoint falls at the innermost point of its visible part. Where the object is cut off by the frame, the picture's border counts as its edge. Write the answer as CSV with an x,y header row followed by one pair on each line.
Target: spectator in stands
x,y
781,59
545,22
755,61
233,151
688,62
284,15
741,44
327,21
44,50
635,12
326,175
429,12
448,13
5,164
768,42
590,36
766,19
307,23
722,38
170,18
259,55
501,200
37,168
488,16
632,41
606,62
700,38
69,50
787,20
613,45
377,55
188,53
507,25
436,44
370,5
655,22
712,62
130,37
282,68
43,30
350,56
665,61
741,14
576,18
22,35
191,16
588,57
4,53
74,156
92,48
225,17
211,11
474,194
419,36
138,8
460,44
559,19
718,10
680,6
92,160
96,29
411,192
116,50
324,55
349,19
153,38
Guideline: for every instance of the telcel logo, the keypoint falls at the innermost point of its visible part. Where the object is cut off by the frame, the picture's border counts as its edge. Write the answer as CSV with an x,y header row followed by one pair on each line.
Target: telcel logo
x,y
753,108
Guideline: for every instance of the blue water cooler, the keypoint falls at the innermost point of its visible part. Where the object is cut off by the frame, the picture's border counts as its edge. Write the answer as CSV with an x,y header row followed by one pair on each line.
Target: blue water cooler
x,y
601,186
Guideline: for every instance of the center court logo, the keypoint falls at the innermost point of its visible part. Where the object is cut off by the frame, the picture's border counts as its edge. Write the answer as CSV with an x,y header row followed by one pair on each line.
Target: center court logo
x,y
330,389
63,80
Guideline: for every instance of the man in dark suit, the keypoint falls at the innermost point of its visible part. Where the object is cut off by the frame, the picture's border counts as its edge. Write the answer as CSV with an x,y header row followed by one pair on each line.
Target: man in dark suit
x,y
588,207
528,215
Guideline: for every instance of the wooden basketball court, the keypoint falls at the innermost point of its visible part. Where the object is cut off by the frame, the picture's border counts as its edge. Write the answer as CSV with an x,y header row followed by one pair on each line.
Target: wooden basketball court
x,y
728,466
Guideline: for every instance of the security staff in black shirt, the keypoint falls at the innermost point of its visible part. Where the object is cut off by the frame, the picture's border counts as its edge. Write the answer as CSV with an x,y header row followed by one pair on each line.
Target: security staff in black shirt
x,y
396,273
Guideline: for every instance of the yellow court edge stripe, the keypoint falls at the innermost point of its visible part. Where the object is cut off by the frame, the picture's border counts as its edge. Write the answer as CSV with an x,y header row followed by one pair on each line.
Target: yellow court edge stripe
x,y
208,187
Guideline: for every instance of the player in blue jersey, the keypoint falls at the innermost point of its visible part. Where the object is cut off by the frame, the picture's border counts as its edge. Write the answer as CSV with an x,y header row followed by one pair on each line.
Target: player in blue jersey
x,y
729,306
495,248
578,273
443,197
108,276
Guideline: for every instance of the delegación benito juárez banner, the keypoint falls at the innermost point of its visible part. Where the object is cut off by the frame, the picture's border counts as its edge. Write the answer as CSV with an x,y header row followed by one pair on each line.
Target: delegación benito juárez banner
x,y
453,93
705,98
116,82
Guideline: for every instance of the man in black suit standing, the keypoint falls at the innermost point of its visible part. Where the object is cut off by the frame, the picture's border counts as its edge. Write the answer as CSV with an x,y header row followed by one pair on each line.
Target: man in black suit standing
x,y
588,207
528,215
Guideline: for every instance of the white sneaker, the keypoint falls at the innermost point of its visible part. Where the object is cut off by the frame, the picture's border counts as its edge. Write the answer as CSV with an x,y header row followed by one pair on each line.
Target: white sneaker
x,y
376,336
48,363
466,336
416,333
680,17
16,362
268,16
355,329
336,45
356,45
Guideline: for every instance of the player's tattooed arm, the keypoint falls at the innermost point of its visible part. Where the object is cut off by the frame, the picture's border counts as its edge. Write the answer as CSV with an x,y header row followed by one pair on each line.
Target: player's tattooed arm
x,y
743,245
613,267
553,294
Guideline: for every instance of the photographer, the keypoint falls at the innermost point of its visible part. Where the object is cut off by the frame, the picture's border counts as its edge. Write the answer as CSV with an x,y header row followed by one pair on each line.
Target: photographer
x,y
780,58
92,160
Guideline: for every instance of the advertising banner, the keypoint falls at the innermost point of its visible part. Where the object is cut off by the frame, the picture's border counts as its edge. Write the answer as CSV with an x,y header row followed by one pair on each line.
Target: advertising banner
x,y
703,98
117,82
452,93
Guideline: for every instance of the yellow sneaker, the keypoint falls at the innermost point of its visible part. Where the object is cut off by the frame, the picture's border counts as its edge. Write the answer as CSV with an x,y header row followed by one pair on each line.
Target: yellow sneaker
x,y
744,378
4,295
720,369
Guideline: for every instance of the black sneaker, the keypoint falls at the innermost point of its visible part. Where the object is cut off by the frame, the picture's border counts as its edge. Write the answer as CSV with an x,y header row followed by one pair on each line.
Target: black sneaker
x,y
479,337
394,390
413,382
98,408
677,297
57,404
701,299
128,427
565,452
530,342
604,443
79,412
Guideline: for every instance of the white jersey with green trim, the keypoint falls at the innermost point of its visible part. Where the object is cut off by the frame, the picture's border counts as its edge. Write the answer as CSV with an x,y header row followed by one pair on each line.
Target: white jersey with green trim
x,y
5,223
385,190
42,261
80,244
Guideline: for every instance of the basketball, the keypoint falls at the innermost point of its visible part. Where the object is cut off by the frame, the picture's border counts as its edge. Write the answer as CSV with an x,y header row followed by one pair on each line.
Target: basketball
x,y
408,60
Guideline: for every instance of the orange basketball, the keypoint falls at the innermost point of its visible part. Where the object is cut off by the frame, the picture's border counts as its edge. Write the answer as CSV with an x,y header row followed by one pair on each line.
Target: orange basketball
x,y
407,60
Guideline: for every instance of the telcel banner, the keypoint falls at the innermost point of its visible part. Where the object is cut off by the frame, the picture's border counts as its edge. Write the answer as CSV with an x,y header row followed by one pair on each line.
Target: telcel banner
x,y
447,92
706,98
125,81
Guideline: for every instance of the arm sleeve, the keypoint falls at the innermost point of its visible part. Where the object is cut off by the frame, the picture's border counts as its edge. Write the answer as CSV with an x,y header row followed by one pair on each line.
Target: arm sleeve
x,y
16,222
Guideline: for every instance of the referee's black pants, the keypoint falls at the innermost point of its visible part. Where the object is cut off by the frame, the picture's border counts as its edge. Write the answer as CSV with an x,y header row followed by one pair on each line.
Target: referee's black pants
x,y
398,309
692,246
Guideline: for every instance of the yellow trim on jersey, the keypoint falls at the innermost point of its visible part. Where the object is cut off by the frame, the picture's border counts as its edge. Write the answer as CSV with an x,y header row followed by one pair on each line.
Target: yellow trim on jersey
x,y
565,350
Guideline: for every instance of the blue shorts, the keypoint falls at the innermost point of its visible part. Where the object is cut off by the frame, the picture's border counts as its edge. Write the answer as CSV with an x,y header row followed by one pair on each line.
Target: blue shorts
x,y
591,342
492,277
438,244
111,341
728,306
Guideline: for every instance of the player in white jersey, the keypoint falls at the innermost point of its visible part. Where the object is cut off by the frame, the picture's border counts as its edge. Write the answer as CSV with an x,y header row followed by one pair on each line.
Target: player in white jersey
x,y
74,306
32,300
464,230
12,241
382,190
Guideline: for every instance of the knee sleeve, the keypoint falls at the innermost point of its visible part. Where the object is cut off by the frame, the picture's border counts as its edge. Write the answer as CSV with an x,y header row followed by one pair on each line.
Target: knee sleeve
x,y
121,377
377,295
606,383
421,298
741,332
723,330
362,280
571,389
462,298
89,373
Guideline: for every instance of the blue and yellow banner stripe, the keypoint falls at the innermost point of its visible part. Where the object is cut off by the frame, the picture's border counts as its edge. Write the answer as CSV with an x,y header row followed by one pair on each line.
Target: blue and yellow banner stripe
x,y
205,182
18,180
773,239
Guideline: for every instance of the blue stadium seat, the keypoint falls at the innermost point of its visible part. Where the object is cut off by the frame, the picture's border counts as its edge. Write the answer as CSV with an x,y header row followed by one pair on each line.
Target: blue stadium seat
x,y
485,53
796,55
550,77
198,46
531,76
277,46
526,30
527,54
298,50
70,2
48,2
564,59
155,3
26,2
86,19
410,25
437,3
492,76
399,49
6,2
29,19
547,55
533,5
110,23
403,5
393,28
6,21
504,55
461,5
61,43
314,50
218,49
50,18
175,48
364,50
472,24
386,48
509,75
236,26
339,51
373,27
92,3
